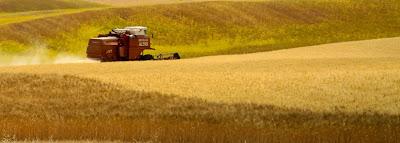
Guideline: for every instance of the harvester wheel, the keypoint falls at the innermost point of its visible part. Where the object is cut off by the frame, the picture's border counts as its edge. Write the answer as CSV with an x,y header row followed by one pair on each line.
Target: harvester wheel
x,y
104,59
176,56
147,57
107,58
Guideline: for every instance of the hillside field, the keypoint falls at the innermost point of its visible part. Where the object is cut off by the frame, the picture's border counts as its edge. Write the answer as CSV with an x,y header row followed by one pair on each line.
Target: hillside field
x,y
344,92
18,17
211,28
252,71
9,6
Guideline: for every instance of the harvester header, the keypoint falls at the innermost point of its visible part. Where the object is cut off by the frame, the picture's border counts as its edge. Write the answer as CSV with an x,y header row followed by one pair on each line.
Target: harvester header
x,y
126,44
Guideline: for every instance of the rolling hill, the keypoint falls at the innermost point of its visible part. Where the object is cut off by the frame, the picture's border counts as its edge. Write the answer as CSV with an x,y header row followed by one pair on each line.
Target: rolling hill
x,y
35,5
17,11
127,3
212,28
263,74
294,92
139,2
325,93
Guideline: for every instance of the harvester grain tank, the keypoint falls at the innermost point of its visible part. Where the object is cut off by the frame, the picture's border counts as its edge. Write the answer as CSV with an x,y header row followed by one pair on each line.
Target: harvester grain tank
x,y
127,44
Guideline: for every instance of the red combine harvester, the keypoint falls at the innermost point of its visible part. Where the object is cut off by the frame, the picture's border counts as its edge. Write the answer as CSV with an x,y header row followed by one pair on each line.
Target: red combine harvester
x,y
125,44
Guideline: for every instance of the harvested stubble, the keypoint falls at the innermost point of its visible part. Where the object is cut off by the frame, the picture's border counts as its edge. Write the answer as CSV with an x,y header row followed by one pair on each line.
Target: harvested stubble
x,y
302,95
342,77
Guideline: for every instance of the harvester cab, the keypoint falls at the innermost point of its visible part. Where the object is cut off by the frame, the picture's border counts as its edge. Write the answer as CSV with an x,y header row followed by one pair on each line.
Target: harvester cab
x,y
137,30
127,44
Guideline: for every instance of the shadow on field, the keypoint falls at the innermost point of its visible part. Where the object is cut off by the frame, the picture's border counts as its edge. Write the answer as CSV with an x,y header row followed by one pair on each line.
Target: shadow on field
x,y
63,107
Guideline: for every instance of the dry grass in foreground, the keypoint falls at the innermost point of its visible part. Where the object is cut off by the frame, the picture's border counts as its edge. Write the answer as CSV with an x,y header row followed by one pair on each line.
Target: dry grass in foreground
x,y
39,107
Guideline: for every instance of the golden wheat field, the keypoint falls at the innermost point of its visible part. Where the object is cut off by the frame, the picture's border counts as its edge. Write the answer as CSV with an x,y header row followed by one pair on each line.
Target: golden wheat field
x,y
325,78
343,92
